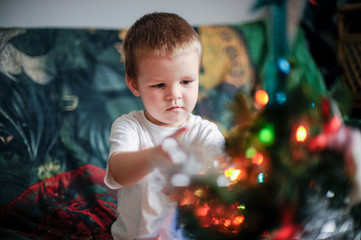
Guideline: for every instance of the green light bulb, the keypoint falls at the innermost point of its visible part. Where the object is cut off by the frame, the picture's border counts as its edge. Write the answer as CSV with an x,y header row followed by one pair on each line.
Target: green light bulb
x,y
266,135
250,152
242,206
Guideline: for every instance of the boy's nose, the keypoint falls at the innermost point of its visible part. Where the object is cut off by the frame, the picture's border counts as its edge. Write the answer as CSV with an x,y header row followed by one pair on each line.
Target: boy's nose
x,y
174,93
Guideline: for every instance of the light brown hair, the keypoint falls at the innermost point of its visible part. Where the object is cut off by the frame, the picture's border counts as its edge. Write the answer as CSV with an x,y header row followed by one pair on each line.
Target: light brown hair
x,y
161,34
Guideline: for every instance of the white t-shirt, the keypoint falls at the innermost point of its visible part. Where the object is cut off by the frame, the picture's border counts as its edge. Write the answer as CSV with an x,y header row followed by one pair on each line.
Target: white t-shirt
x,y
143,210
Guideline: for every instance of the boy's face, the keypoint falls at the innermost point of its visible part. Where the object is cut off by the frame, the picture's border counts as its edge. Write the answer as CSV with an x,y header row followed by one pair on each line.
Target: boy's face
x,y
168,87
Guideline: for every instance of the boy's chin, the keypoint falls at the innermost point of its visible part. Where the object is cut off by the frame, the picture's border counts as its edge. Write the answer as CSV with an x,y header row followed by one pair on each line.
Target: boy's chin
x,y
167,120
173,122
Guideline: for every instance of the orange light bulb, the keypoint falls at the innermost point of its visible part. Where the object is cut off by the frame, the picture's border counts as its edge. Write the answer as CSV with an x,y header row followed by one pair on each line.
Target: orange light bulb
x,y
257,159
232,173
301,133
238,220
227,222
261,97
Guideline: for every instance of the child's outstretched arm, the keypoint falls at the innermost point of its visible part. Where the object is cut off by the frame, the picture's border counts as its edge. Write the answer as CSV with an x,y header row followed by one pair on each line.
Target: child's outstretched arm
x,y
128,168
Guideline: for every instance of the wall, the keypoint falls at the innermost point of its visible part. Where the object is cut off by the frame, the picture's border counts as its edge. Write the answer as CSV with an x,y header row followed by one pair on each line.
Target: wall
x,y
120,13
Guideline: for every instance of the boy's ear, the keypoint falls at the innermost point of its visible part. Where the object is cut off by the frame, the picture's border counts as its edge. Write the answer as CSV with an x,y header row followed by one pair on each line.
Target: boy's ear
x,y
132,85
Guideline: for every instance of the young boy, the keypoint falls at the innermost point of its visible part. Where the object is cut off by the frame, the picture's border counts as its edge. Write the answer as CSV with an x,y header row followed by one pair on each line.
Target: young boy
x,y
162,59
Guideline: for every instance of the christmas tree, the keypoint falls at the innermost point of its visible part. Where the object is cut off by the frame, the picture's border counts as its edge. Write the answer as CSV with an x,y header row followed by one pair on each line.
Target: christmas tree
x,y
291,169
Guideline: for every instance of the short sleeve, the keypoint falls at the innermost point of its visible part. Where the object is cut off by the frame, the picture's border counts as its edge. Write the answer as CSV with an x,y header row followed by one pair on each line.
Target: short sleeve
x,y
123,137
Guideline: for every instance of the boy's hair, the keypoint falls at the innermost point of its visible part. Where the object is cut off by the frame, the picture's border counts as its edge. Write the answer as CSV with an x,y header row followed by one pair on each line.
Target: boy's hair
x,y
160,34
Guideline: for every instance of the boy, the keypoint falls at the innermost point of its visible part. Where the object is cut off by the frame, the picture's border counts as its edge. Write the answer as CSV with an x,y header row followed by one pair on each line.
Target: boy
x,y
162,60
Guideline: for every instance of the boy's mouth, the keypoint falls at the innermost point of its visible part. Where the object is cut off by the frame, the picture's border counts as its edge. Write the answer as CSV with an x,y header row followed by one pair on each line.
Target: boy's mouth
x,y
173,108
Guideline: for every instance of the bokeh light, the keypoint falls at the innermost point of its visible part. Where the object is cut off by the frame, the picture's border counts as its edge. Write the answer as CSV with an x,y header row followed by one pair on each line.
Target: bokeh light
x,y
232,173
250,152
301,133
257,159
261,97
266,135
284,65
281,98
260,177
238,220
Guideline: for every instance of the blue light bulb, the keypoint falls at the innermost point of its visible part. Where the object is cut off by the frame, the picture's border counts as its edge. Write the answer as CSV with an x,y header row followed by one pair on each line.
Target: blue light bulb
x,y
284,65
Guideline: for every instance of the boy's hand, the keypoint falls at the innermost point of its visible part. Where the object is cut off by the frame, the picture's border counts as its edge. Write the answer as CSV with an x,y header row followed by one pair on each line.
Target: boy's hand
x,y
170,151
170,146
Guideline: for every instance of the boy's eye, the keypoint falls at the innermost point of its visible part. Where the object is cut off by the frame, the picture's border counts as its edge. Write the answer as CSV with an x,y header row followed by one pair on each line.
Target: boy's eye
x,y
160,85
186,82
